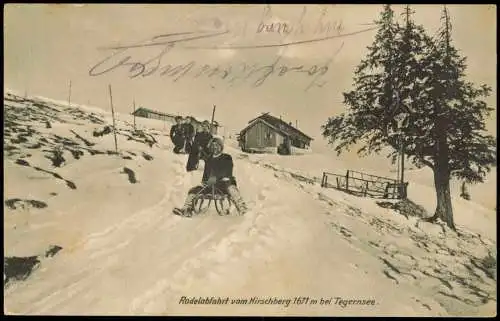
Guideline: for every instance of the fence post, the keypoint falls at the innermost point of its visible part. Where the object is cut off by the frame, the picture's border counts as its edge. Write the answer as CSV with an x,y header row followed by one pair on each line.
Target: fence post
x,y
347,180
366,188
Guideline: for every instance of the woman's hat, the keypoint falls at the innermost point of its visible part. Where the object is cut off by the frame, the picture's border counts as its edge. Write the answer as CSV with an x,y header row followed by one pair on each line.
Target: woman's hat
x,y
216,140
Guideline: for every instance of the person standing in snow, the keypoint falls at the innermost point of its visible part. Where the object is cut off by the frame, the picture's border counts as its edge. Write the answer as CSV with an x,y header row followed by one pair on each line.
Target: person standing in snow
x,y
177,135
199,149
218,172
188,134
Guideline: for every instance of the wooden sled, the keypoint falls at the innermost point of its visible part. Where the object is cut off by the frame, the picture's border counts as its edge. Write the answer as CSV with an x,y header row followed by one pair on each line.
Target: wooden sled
x,y
222,201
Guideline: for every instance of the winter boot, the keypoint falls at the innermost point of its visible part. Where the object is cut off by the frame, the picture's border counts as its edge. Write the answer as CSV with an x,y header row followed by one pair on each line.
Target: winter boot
x,y
183,212
187,209
237,199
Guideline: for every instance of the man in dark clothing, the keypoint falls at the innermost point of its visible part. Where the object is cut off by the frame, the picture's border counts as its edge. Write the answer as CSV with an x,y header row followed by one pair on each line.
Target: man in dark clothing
x,y
218,171
188,134
199,148
177,135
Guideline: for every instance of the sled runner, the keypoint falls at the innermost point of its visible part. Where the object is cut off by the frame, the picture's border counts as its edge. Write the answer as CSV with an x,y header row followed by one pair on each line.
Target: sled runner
x,y
221,200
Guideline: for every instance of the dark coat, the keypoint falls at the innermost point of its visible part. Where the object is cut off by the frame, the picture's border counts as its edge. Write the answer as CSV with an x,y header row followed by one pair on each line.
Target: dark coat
x,y
188,131
200,142
177,134
199,150
220,167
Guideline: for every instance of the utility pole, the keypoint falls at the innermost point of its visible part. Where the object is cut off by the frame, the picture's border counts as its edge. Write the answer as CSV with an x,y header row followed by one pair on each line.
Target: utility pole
x,y
402,155
400,119
402,138
402,160
134,113
403,189
212,122
398,165
69,95
113,115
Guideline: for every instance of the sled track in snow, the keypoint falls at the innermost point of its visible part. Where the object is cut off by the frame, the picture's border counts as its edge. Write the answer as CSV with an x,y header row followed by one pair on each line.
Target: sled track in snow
x,y
152,246
101,251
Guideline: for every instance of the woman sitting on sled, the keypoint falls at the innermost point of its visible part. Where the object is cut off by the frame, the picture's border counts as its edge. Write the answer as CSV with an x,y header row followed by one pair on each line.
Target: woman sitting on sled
x,y
218,172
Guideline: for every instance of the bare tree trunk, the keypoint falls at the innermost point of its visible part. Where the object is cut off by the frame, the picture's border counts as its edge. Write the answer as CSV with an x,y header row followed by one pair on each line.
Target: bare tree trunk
x,y
444,208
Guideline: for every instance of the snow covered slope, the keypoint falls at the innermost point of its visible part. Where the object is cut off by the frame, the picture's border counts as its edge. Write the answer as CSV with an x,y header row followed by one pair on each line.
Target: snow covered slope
x,y
90,231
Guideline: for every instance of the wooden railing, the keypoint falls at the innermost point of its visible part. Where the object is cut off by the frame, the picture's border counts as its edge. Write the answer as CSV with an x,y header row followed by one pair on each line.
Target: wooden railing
x,y
363,184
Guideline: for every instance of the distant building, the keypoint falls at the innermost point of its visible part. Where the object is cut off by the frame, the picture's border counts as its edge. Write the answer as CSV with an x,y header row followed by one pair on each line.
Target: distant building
x,y
153,114
268,134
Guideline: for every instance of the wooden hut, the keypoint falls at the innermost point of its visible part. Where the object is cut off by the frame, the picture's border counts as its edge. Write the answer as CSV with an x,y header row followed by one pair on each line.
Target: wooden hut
x,y
269,134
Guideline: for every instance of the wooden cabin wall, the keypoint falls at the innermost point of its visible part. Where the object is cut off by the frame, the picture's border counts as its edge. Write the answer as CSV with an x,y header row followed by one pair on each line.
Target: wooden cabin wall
x,y
279,139
259,136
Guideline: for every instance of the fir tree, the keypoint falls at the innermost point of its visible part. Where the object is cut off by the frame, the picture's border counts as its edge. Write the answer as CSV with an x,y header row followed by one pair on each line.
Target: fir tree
x,y
409,76
462,147
386,86
373,95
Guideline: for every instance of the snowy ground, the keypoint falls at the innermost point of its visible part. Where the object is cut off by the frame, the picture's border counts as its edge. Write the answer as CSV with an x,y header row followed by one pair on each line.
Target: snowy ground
x,y
96,235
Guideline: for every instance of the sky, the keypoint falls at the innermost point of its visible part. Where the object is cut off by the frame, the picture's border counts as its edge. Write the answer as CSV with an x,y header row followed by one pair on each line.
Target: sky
x,y
48,45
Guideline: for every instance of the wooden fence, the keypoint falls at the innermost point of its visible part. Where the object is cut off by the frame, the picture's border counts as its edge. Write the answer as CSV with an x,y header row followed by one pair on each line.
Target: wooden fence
x,y
363,184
